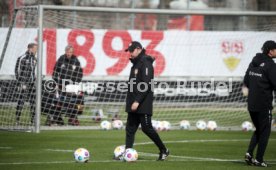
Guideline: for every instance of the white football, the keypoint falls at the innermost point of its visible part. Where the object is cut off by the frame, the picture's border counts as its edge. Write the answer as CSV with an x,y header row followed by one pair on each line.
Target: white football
x,y
130,155
212,125
154,124
117,124
201,125
81,155
105,125
119,151
185,124
165,125
247,126
159,126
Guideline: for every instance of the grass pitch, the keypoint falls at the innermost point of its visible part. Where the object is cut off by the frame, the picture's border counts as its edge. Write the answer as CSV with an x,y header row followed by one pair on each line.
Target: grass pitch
x,y
232,117
189,150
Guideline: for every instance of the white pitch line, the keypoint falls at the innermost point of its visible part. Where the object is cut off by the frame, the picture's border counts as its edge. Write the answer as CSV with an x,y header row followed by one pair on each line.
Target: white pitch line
x,y
27,163
180,158
190,158
5,147
60,150
208,140
53,162
114,161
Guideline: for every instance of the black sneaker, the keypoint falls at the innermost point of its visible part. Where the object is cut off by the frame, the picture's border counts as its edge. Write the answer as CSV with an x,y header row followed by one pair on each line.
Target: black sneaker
x,y
163,155
249,159
260,164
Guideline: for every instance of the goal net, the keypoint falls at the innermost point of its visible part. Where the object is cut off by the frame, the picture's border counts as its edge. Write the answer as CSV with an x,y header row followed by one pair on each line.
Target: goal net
x,y
199,66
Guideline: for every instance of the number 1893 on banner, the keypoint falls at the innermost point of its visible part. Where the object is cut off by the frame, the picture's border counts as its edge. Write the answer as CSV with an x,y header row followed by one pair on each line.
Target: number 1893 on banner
x,y
110,47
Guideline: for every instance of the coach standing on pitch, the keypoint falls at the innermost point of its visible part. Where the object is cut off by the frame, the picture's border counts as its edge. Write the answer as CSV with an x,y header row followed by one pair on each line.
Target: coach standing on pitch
x,y
67,68
25,76
260,79
139,99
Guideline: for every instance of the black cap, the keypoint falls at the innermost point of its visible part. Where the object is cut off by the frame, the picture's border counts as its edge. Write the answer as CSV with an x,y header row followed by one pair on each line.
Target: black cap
x,y
269,45
133,45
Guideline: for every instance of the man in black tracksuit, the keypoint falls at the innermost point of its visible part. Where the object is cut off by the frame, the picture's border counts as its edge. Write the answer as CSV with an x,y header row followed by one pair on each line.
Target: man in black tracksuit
x,y
260,79
67,69
25,76
139,99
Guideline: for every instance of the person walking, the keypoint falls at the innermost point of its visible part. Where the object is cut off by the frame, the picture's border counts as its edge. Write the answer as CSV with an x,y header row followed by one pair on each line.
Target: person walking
x,y
260,80
139,101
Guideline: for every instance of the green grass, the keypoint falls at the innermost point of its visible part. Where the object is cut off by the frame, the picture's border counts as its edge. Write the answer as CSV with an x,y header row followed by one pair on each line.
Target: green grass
x,y
225,117
54,150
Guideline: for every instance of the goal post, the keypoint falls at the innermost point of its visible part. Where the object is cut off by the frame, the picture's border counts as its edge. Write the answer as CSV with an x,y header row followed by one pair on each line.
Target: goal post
x,y
39,70
198,73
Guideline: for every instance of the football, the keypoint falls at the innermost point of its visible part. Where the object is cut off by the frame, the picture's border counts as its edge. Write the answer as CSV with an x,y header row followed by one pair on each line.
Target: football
x,y
117,124
201,125
185,124
105,125
159,126
130,155
119,151
81,155
155,124
165,125
212,125
247,126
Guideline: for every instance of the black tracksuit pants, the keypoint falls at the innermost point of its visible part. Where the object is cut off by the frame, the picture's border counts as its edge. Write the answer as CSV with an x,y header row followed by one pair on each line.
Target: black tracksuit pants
x,y
26,94
133,122
262,123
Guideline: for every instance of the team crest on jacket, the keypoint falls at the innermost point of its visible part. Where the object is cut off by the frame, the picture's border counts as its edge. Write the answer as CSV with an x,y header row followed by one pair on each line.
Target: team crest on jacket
x,y
231,52
74,67
135,71
262,64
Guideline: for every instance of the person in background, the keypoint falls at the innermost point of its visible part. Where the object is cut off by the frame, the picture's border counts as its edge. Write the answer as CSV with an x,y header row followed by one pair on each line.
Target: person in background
x,y
25,76
260,80
67,70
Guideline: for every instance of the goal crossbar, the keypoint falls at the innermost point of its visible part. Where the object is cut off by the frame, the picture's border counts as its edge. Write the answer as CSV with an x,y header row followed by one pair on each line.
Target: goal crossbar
x,y
157,11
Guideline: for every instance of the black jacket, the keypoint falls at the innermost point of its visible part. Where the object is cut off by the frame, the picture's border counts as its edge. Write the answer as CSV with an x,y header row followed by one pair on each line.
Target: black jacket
x,y
260,78
69,69
25,68
141,72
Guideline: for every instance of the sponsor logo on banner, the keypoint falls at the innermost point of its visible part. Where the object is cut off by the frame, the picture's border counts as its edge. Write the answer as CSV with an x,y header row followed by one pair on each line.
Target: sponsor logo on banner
x,y
231,52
